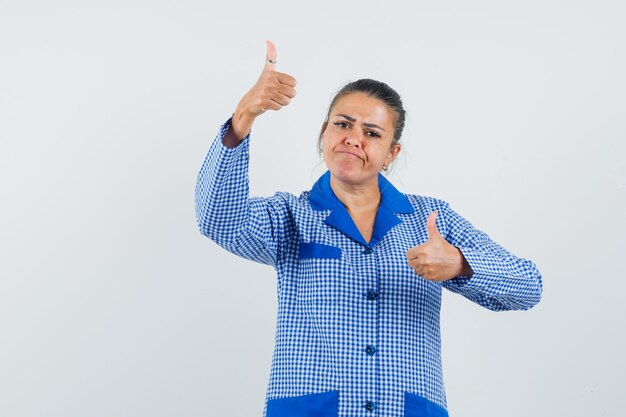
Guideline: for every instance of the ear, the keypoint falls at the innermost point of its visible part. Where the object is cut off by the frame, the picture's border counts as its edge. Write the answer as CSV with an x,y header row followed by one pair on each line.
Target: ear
x,y
324,126
321,140
393,152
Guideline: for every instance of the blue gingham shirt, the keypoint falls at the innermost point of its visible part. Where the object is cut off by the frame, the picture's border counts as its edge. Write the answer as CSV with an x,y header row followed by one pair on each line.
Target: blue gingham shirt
x,y
357,330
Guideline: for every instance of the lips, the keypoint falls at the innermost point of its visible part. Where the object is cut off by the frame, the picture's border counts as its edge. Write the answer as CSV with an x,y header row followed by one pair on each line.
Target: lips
x,y
353,154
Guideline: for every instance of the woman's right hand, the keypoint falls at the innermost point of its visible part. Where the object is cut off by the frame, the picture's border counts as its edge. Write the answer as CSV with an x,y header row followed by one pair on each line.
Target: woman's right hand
x,y
272,91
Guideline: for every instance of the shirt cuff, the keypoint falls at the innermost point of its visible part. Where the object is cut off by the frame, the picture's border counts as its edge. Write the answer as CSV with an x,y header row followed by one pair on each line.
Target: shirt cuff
x,y
480,278
224,128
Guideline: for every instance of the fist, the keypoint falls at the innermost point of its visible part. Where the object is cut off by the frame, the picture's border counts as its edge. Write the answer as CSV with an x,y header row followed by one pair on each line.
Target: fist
x,y
436,260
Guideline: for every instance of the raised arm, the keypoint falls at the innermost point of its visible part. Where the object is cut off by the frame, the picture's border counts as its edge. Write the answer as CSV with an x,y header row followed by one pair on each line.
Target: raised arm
x,y
249,227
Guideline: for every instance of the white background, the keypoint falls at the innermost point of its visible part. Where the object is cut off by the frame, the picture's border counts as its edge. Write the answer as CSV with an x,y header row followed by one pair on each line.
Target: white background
x,y
113,304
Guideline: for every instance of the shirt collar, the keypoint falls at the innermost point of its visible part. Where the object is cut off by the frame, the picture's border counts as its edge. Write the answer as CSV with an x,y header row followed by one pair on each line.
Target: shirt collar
x,y
392,201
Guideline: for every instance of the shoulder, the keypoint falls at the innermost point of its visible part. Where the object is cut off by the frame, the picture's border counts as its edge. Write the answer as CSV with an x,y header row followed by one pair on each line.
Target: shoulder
x,y
286,200
289,198
426,203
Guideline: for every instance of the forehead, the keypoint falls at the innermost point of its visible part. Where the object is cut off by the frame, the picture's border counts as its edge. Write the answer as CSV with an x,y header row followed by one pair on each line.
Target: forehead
x,y
364,108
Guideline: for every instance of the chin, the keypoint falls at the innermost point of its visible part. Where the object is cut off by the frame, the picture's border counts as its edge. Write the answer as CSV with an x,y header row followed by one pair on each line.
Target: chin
x,y
350,174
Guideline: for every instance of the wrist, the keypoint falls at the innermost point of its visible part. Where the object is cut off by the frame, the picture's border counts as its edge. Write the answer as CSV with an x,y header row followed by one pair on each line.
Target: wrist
x,y
241,123
465,269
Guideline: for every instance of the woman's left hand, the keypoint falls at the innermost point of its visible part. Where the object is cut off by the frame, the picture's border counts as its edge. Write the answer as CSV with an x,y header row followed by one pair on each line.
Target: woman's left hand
x,y
437,260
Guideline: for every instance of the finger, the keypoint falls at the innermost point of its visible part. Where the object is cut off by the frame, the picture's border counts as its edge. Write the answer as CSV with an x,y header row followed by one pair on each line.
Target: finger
x,y
431,226
272,105
417,251
416,257
270,56
287,79
280,99
286,90
280,95
289,92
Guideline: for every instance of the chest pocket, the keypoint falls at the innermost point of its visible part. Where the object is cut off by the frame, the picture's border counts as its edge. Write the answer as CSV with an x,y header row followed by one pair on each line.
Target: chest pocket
x,y
323,274
313,250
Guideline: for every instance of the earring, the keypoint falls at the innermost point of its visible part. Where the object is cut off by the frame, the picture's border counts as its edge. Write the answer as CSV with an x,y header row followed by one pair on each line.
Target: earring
x,y
385,168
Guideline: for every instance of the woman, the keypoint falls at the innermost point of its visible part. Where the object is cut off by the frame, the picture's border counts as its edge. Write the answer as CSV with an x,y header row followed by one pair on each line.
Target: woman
x,y
360,265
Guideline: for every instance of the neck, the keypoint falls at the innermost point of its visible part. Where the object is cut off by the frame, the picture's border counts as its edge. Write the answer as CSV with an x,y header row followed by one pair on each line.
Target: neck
x,y
357,198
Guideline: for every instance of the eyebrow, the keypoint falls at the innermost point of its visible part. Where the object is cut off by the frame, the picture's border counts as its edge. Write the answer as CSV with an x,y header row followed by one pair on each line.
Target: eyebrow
x,y
352,119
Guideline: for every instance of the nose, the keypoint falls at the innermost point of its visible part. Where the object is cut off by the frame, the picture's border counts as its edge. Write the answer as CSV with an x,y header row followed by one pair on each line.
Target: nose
x,y
353,139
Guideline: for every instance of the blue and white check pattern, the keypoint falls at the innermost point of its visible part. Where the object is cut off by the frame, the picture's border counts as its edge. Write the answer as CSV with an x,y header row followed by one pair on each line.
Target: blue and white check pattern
x,y
354,321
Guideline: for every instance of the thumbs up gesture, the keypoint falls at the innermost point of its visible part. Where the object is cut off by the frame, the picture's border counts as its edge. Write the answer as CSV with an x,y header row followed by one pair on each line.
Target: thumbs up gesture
x,y
272,91
437,260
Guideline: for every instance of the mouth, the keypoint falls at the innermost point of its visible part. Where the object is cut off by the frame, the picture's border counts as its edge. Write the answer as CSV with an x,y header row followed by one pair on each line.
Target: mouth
x,y
351,155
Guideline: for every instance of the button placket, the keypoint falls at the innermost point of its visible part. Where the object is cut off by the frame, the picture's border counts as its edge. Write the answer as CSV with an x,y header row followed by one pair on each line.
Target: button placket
x,y
371,296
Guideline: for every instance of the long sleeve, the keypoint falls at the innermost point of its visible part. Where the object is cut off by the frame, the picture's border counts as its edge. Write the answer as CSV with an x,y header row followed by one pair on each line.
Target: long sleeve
x,y
500,280
253,228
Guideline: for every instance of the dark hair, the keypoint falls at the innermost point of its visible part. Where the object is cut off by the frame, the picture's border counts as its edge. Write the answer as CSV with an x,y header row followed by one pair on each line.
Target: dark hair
x,y
377,90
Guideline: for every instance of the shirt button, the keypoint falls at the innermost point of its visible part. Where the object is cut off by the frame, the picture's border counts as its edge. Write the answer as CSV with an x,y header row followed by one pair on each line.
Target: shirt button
x,y
370,405
367,251
372,295
370,349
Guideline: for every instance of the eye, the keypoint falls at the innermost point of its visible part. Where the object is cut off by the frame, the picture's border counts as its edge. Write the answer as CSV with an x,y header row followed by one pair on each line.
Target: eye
x,y
341,124
373,134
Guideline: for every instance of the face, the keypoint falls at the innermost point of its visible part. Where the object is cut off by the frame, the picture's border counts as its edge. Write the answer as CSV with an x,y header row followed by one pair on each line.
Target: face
x,y
357,141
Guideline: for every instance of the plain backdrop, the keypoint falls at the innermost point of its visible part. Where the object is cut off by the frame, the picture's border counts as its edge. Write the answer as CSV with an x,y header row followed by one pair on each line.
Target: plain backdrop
x,y
113,305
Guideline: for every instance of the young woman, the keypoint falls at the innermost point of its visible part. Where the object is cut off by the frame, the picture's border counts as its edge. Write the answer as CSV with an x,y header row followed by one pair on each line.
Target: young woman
x,y
360,265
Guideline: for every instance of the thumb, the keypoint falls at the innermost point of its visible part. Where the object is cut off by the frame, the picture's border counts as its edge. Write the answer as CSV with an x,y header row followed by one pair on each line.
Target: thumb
x,y
431,226
270,57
